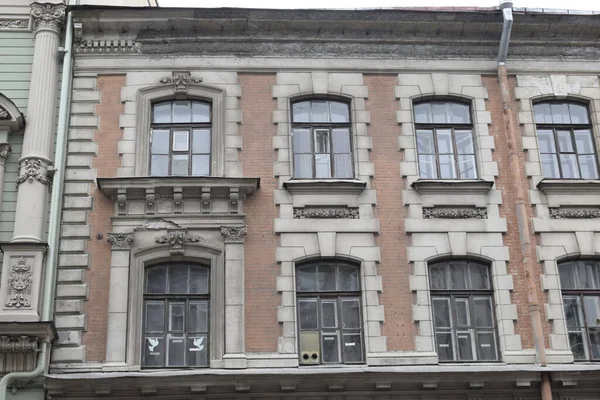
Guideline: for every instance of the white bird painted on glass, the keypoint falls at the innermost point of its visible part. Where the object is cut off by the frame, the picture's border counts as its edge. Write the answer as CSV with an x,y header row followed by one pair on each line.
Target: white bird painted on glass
x,y
153,343
199,343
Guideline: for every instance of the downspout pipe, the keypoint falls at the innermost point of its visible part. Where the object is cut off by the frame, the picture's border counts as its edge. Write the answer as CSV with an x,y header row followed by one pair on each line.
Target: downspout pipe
x,y
521,202
55,212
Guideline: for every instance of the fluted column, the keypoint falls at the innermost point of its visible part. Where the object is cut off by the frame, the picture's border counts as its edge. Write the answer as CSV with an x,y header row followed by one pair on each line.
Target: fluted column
x,y
33,181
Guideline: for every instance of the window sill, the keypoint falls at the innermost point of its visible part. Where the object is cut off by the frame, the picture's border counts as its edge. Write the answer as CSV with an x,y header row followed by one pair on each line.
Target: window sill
x,y
559,186
452,186
325,186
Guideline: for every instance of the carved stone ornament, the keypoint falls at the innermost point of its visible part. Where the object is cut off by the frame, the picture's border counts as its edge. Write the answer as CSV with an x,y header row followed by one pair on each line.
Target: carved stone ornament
x,y
48,16
97,46
19,284
177,238
18,344
32,168
180,80
120,241
14,23
5,151
4,114
326,213
454,213
234,233
582,213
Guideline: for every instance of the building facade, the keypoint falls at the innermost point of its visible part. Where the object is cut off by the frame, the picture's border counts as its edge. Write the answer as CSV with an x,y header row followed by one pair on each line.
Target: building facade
x,y
368,204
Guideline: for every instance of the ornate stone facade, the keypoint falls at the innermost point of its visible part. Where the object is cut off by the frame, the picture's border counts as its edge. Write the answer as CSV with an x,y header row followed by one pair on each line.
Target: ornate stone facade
x,y
326,213
561,212
19,284
454,212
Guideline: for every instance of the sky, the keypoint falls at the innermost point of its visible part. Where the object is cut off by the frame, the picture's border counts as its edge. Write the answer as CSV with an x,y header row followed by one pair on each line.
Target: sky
x,y
560,4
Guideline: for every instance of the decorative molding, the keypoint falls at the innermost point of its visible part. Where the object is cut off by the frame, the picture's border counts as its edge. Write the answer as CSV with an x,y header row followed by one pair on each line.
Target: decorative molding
x,y
150,201
121,202
8,24
559,212
107,47
177,200
206,203
19,284
463,186
18,344
234,234
454,213
5,151
177,238
3,113
326,213
120,241
32,167
48,16
180,81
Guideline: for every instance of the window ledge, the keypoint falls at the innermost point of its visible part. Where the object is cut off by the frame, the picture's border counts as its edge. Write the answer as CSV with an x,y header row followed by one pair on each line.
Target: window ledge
x,y
562,186
447,186
325,186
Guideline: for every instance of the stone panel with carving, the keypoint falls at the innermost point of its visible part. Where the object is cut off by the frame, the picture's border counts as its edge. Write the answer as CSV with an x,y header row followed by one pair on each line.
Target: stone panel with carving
x,y
326,213
559,212
454,213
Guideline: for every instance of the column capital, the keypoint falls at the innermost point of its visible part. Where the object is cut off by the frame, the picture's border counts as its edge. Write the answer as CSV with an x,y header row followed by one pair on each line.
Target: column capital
x,y
121,241
48,16
234,234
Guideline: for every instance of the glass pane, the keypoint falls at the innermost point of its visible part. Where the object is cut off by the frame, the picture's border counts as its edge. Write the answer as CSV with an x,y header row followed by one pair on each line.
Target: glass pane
x,y
352,347
440,113
181,140
583,276
321,141
307,278
331,348
560,113
156,279
301,141
342,166
176,317
458,276
437,277
568,164
341,140
565,144
160,141
464,142
572,312
201,141
579,114
588,167
463,314
301,111
198,316
179,165
198,280
460,113
466,167
159,165
200,112
444,346
197,350
326,277
322,166
447,168
423,113
546,141
441,312
178,279
567,277
425,143
427,167
584,141
479,276
155,316
591,306
577,345
444,138
542,113
339,111
319,111
201,165
487,346
348,278
550,166
307,312
483,312
154,351
162,113
181,112
329,314
176,350
465,345
595,344
350,314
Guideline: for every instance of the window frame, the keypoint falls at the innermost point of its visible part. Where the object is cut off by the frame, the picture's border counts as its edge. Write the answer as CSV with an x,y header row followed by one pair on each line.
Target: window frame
x,y
315,126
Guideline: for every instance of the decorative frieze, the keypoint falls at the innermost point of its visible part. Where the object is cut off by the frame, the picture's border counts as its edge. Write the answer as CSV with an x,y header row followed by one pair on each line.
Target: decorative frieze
x,y
48,16
106,47
19,284
326,213
121,241
18,344
568,213
3,113
31,168
180,81
6,24
454,213
176,238
234,234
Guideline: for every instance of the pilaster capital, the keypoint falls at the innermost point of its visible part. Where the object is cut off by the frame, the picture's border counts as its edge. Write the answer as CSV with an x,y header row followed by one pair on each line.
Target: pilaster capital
x,y
121,241
48,16
234,234
5,152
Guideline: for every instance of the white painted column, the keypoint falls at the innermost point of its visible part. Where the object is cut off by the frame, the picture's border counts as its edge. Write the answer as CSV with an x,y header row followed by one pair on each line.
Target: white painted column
x,y
33,181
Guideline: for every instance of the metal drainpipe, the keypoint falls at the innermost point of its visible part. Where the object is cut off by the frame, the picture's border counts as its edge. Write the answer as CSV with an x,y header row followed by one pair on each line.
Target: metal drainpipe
x,y
521,204
55,212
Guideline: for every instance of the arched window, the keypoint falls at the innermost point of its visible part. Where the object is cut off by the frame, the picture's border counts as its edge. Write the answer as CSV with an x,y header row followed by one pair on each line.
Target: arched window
x,y
322,139
580,285
445,140
329,313
181,138
463,311
565,139
176,316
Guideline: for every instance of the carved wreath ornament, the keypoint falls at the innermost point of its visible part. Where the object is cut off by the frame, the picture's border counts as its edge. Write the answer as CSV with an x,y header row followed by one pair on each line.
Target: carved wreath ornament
x,y
32,172
19,285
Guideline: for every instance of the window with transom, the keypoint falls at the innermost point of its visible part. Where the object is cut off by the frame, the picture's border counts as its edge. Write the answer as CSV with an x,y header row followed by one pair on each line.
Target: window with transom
x,y
322,144
176,316
180,138
329,313
580,285
463,311
565,139
445,140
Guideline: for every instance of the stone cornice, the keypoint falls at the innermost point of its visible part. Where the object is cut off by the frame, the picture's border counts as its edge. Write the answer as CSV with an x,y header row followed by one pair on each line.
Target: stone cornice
x,y
441,186
330,186
565,186
48,16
